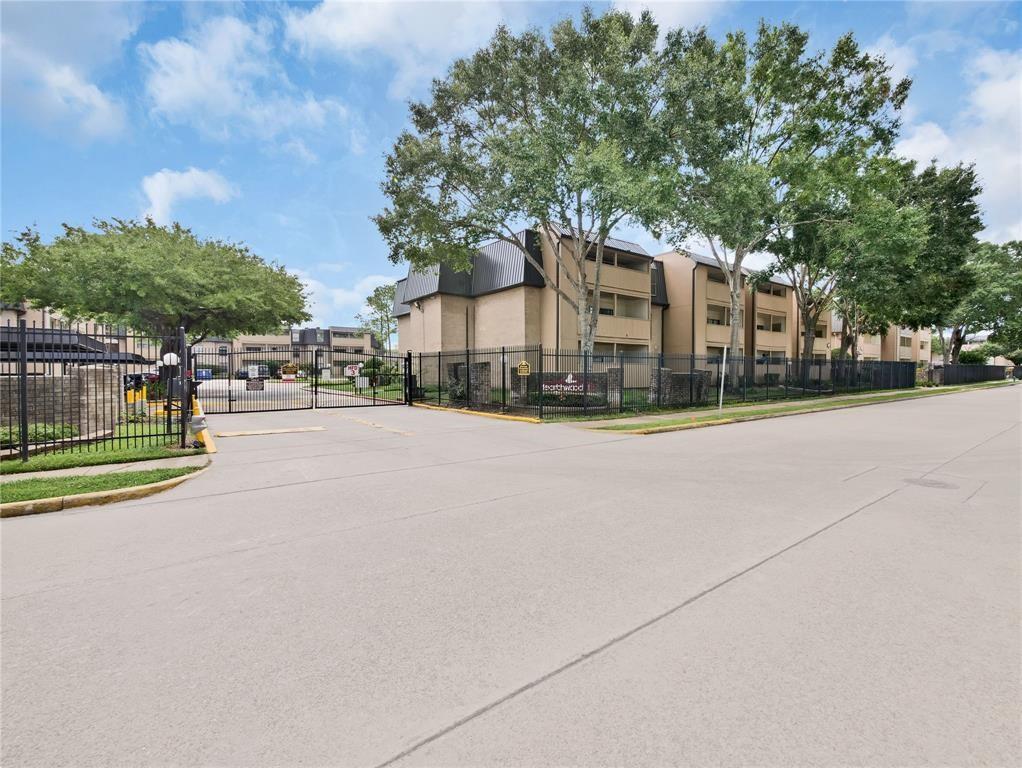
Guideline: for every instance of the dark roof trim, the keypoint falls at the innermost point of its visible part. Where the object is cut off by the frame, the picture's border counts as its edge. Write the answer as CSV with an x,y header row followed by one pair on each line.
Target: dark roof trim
x,y
400,308
614,243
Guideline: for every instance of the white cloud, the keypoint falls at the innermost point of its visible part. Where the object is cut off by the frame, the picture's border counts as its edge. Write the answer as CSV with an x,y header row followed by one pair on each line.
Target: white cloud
x,y
331,305
671,15
902,59
419,38
297,148
166,187
224,79
988,133
50,55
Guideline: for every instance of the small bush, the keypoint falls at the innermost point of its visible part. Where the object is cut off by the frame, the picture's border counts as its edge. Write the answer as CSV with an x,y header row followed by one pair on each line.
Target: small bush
x,y
972,357
37,433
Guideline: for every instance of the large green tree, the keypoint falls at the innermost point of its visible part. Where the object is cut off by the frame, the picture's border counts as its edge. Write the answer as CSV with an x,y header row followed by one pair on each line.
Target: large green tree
x,y
855,245
942,279
153,279
764,128
992,303
376,318
562,131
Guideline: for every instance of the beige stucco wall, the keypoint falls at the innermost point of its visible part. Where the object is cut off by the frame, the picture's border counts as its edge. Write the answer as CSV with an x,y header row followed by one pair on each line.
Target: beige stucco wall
x,y
769,341
677,318
404,333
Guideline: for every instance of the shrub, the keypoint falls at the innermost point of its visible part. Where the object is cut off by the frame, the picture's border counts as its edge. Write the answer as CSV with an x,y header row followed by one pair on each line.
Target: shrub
x,y
972,357
1015,356
37,433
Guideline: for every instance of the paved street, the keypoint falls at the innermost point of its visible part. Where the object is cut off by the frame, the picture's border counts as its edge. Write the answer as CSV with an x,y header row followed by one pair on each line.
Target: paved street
x,y
412,587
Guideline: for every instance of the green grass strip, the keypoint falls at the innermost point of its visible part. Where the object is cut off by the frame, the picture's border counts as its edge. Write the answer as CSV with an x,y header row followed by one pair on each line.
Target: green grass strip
x,y
91,458
48,487
667,425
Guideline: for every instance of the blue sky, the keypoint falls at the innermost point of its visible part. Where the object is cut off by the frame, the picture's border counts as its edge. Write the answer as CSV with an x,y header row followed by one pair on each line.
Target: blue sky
x,y
268,123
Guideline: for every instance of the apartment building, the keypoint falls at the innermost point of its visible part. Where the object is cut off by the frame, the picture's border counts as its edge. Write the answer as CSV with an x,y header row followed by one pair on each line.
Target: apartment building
x,y
502,300
698,320
895,344
904,344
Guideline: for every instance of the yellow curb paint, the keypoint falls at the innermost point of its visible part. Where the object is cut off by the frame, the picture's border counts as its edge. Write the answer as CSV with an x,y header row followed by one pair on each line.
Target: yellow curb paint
x,y
204,436
271,431
57,503
503,416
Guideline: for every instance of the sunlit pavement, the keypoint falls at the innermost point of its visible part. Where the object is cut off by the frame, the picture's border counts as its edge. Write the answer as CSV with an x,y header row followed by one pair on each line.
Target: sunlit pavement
x,y
431,588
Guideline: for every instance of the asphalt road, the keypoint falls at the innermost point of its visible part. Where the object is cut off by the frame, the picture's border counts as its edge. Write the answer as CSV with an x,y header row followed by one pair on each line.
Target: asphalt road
x,y
411,587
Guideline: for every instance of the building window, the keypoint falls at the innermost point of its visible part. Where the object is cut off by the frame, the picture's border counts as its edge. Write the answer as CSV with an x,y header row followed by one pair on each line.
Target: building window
x,y
632,306
222,350
772,323
773,354
715,276
772,290
607,304
905,341
253,349
718,314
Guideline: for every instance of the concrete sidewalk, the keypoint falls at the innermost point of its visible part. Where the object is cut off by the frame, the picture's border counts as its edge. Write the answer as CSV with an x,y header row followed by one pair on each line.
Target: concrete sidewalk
x,y
196,460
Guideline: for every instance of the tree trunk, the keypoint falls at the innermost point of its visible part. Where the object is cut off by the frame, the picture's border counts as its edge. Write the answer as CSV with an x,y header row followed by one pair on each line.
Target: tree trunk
x,y
735,339
957,340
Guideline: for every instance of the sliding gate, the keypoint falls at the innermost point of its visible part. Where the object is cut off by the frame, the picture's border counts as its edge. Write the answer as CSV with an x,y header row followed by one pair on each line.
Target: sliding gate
x,y
298,377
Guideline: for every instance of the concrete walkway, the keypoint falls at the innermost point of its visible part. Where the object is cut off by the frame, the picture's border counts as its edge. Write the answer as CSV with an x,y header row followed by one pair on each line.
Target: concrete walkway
x,y
199,460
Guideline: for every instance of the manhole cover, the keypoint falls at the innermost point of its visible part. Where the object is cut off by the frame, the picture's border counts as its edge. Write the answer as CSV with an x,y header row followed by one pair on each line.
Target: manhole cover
x,y
930,483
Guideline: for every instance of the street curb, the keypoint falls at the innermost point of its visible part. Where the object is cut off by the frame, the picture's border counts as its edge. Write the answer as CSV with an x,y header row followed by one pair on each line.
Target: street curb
x,y
759,417
58,503
502,416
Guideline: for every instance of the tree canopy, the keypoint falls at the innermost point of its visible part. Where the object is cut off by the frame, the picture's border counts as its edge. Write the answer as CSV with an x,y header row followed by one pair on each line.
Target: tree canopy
x,y
153,279
376,318
765,130
562,132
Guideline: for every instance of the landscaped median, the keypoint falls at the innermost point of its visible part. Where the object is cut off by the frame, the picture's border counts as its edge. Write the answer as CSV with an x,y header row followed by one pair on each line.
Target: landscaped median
x,y
695,419
53,493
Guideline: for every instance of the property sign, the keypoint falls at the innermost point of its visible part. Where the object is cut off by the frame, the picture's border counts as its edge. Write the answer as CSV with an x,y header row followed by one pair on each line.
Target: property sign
x,y
362,382
352,370
203,374
288,372
568,384
253,372
524,369
254,385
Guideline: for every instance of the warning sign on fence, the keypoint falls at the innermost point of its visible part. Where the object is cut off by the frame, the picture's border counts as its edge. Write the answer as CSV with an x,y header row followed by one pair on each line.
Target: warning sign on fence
x,y
524,369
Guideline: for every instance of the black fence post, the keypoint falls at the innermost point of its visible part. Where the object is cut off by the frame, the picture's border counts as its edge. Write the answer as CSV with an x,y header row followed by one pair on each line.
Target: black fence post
x,y
23,389
691,379
186,405
409,394
540,378
621,383
503,378
438,379
585,383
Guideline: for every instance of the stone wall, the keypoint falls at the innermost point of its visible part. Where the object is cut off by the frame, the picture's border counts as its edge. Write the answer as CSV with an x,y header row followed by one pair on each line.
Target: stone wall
x,y
678,388
90,398
478,382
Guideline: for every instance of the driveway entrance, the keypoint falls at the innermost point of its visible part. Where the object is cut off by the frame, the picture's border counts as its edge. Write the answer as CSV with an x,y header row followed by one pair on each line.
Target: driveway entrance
x,y
298,378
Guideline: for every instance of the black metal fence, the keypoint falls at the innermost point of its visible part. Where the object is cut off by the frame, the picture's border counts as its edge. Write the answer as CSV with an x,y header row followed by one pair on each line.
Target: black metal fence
x,y
296,377
967,374
90,387
546,382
